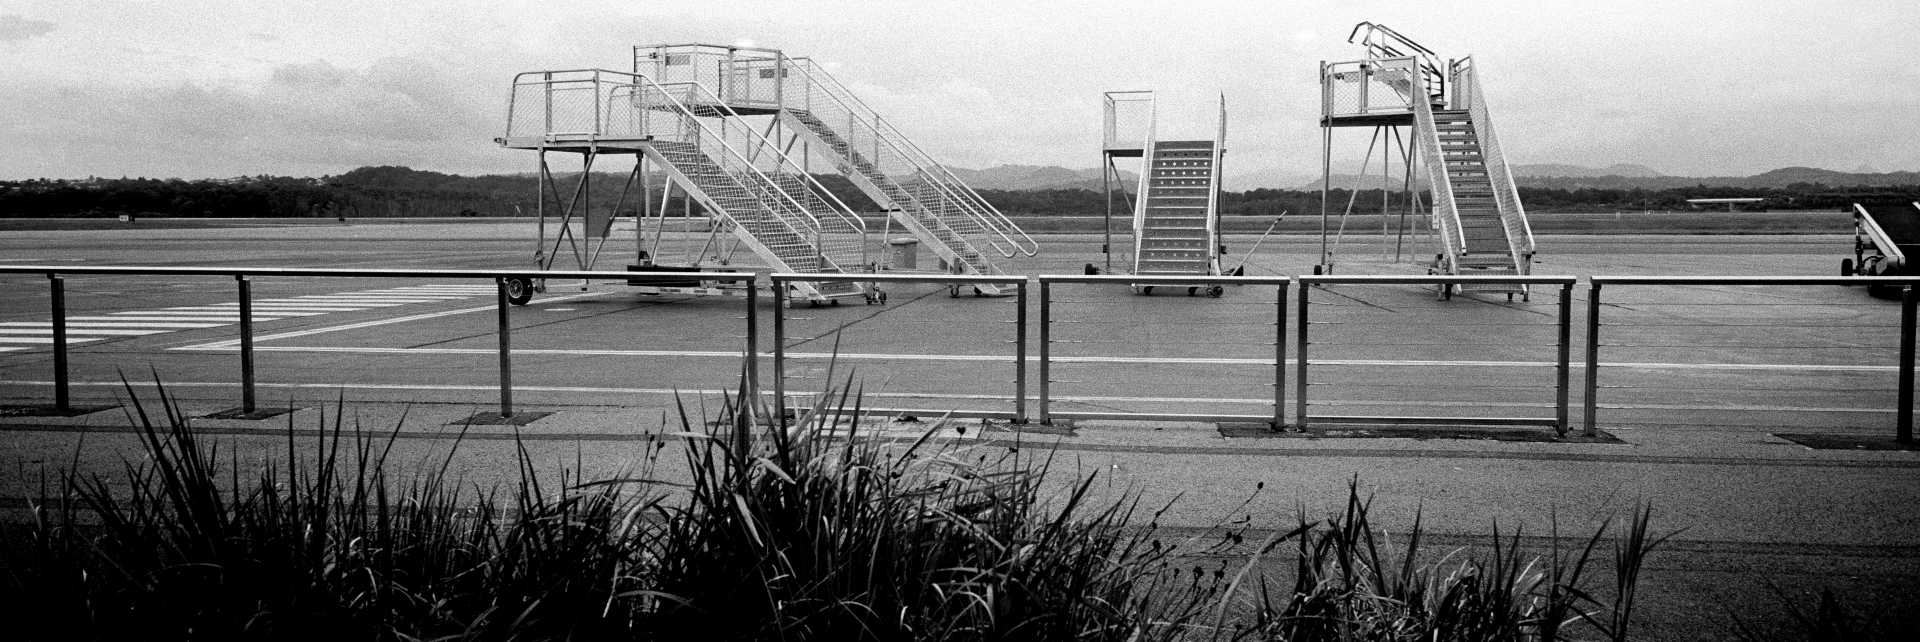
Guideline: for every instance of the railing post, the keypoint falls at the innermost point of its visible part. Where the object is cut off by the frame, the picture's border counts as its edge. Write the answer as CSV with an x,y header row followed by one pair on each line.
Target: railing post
x,y
506,346
1591,401
1300,356
246,343
1046,350
1563,365
1904,428
1020,355
57,291
753,342
1280,356
779,352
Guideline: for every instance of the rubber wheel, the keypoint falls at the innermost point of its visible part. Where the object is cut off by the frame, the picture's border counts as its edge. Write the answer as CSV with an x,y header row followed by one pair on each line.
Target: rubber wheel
x,y
1193,290
519,290
1147,290
953,291
1846,267
1216,291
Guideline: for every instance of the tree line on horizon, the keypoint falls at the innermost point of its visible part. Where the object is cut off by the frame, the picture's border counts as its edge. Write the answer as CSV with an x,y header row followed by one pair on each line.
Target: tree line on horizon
x,y
402,192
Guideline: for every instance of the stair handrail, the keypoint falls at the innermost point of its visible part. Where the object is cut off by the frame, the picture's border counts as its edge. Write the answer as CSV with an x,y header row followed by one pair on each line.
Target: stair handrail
x,y
1213,195
1452,241
956,190
1506,195
1145,180
635,82
1429,64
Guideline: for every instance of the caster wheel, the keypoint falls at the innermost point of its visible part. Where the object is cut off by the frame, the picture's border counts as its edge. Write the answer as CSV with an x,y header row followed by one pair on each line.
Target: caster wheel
x,y
953,291
1193,290
833,303
519,290
1147,290
1216,291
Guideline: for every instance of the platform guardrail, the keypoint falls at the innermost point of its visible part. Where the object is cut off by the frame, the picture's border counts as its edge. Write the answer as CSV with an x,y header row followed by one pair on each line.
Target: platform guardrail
x,y
1770,337
1848,331
1437,342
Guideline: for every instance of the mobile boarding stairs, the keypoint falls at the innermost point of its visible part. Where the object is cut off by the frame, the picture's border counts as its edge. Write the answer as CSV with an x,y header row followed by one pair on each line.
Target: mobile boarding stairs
x,y
1176,219
771,205
1476,208
814,117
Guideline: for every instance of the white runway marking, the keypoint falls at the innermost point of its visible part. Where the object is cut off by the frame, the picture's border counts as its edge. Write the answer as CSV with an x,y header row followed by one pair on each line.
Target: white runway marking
x,y
148,322
234,344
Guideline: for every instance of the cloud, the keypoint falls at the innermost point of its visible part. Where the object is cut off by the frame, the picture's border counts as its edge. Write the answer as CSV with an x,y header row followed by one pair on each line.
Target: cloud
x,y
304,119
14,28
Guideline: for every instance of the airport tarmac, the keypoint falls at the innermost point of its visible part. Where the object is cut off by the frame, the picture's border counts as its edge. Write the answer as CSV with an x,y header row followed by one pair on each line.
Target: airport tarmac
x,y
1696,387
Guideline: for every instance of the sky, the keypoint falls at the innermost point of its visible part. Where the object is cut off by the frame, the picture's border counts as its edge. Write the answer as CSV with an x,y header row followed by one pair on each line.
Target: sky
x,y
204,89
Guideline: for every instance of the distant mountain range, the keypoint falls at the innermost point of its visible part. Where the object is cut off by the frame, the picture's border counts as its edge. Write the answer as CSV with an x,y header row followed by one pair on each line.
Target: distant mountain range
x,y
1617,176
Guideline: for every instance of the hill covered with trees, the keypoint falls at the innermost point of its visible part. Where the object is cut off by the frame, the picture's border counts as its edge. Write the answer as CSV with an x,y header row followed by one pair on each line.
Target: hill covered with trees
x,y
403,192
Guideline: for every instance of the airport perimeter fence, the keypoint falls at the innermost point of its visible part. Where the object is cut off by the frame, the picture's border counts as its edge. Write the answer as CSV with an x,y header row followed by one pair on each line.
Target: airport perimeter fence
x,y
1775,352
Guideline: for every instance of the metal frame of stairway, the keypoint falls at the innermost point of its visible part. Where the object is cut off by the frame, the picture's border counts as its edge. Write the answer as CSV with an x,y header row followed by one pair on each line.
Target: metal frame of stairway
x,y
749,190
1434,115
813,117
1175,206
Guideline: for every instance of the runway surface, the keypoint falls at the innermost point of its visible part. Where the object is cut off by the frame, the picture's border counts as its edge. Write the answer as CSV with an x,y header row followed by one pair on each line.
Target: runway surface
x,y
1696,384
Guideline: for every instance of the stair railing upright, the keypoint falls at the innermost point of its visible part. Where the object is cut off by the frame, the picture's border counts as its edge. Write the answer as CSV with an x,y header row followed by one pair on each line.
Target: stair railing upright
x,y
1513,214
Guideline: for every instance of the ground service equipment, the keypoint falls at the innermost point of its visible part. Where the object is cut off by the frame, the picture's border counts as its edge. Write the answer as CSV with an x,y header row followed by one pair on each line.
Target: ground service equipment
x,y
1886,239
1176,218
749,190
813,117
1476,210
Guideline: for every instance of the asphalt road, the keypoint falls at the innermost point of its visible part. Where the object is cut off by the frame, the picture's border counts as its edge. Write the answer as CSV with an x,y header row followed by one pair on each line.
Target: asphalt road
x,y
1696,383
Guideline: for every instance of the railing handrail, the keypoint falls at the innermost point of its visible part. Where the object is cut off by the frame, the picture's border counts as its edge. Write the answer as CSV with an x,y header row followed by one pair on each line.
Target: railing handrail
x,y
923,162
838,207
1753,280
1513,213
1435,279
1145,178
596,275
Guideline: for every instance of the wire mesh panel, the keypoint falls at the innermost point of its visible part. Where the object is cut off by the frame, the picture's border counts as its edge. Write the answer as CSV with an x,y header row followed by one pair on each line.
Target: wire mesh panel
x,y
1203,349
1368,87
1128,119
1764,356
1393,352
933,348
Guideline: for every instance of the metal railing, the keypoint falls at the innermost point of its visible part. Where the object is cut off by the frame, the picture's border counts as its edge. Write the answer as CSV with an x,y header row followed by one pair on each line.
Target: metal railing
x,y
1125,119
1819,354
784,317
1838,341
1434,336
1513,214
1446,212
1201,351
1371,87
244,277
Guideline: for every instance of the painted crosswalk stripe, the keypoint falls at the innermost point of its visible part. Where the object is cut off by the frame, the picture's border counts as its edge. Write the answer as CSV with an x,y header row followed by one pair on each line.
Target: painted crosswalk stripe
x,y
81,331
106,324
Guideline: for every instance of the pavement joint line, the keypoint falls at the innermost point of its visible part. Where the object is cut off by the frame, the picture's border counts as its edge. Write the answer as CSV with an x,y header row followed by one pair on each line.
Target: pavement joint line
x,y
235,343
1396,452
883,356
915,395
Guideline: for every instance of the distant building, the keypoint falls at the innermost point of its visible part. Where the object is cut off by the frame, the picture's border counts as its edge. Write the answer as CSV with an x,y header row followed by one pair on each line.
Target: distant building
x,y
1729,202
